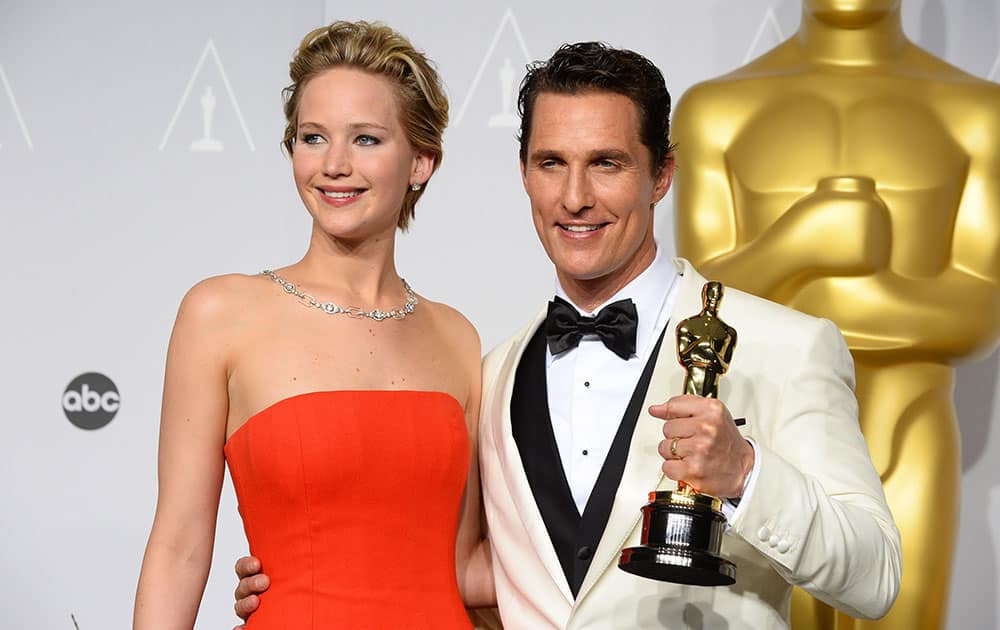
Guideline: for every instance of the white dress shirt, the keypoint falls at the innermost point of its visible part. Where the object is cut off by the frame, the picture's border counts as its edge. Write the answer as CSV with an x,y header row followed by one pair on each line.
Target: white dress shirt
x,y
589,387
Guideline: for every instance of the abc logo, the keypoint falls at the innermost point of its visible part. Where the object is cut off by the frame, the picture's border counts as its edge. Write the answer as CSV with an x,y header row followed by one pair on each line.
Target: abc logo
x,y
91,400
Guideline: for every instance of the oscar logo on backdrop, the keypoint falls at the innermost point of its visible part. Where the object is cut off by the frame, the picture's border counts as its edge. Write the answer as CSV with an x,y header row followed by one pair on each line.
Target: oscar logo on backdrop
x,y
206,143
506,117
851,175
208,102
508,38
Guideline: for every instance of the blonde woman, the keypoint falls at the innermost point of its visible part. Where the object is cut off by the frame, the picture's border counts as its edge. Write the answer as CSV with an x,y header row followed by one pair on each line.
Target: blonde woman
x,y
344,403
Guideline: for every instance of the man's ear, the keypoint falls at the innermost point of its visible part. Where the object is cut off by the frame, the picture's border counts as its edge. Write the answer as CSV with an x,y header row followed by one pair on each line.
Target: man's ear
x,y
664,177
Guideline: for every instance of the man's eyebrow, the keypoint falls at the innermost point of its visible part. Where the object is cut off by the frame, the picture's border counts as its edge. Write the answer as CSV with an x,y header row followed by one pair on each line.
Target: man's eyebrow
x,y
611,154
597,154
545,154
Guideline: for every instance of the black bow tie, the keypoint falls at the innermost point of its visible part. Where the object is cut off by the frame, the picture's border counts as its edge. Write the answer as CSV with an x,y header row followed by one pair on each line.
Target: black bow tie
x,y
615,324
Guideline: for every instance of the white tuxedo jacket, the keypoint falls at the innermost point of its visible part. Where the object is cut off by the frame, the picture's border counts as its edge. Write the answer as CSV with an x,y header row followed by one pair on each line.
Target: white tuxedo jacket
x,y
816,518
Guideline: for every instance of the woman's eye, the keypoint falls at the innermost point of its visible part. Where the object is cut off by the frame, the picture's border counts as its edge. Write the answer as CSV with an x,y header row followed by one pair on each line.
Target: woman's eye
x,y
366,140
311,138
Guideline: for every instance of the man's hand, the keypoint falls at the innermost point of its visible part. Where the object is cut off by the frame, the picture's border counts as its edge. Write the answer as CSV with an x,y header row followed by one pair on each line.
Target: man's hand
x,y
702,446
252,583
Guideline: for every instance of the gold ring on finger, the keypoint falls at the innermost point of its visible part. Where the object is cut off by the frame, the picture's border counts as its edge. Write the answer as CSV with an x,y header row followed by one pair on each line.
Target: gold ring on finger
x,y
673,448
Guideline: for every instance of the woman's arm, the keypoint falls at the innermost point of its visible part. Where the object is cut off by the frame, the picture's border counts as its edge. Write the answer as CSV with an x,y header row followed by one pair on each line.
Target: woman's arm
x,y
473,559
192,435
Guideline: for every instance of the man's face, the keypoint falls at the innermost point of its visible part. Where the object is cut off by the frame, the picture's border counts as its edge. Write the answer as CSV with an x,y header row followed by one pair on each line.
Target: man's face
x,y
592,190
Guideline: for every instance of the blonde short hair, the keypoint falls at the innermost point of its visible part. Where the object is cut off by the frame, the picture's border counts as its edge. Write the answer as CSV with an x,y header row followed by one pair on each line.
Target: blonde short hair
x,y
375,48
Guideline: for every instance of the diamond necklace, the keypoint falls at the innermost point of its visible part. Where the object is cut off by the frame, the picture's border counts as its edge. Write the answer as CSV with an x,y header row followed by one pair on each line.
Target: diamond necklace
x,y
351,311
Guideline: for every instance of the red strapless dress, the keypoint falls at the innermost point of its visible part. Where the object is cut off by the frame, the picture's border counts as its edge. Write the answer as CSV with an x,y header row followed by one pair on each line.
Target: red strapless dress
x,y
350,499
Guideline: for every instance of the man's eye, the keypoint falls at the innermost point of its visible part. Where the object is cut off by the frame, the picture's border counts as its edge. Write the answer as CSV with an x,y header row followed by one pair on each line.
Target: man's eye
x,y
366,140
606,164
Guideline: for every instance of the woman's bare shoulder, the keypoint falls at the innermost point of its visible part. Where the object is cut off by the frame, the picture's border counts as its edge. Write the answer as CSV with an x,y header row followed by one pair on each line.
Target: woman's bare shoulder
x,y
219,299
453,323
457,337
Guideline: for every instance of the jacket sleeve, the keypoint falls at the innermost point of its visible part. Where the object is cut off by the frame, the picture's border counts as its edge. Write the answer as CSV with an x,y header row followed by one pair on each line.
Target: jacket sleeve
x,y
817,511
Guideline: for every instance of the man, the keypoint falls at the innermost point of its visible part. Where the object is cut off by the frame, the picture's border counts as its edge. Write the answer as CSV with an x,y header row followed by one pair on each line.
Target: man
x,y
572,440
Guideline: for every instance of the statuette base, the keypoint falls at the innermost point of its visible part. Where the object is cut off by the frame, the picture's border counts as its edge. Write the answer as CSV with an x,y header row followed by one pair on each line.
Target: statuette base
x,y
681,539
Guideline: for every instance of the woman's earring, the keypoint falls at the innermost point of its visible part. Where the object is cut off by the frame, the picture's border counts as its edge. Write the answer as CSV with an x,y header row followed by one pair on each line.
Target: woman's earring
x,y
414,187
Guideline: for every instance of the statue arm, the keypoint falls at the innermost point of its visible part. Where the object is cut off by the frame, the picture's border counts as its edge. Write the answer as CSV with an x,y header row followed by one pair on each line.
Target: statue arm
x,y
727,354
747,265
705,219
976,249
954,313
951,315
685,343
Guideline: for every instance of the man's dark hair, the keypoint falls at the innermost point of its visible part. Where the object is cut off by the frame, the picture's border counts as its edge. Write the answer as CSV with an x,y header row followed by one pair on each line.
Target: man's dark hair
x,y
596,67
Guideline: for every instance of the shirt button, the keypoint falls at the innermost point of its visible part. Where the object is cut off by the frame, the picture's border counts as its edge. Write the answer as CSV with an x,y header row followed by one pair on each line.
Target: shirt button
x,y
773,541
763,534
784,546
584,451
586,383
584,553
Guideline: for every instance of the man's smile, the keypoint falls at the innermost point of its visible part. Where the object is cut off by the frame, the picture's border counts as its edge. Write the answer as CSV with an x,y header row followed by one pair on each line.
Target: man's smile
x,y
581,228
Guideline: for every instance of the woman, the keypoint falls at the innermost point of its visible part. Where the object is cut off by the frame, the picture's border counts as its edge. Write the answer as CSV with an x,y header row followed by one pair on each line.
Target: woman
x,y
350,433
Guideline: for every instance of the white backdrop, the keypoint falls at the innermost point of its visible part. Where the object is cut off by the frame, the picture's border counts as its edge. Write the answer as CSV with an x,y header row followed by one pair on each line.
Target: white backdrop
x,y
111,208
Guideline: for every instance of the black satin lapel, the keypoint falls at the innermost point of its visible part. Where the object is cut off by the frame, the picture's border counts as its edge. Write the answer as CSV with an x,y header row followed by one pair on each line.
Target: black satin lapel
x,y
531,426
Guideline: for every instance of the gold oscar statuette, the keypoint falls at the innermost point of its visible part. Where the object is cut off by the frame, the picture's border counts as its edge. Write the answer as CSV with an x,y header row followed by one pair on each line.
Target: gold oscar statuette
x,y
682,529
852,175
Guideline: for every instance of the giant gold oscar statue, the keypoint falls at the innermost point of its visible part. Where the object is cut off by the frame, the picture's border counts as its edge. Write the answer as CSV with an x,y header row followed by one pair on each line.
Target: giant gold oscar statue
x,y
849,174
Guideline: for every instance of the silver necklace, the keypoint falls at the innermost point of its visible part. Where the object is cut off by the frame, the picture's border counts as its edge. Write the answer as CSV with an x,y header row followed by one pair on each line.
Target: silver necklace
x,y
351,311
